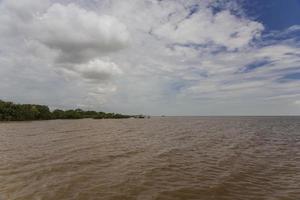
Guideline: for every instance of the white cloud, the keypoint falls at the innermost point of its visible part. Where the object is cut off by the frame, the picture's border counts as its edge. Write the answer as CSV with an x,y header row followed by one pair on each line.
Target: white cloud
x,y
78,34
60,38
97,70
203,28
145,56
297,102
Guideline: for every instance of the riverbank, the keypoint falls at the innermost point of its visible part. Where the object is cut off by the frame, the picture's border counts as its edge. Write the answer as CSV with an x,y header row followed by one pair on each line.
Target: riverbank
x,y
10,111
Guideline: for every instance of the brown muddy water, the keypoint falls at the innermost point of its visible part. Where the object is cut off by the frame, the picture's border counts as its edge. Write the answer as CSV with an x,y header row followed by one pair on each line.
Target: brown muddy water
x,y
205,158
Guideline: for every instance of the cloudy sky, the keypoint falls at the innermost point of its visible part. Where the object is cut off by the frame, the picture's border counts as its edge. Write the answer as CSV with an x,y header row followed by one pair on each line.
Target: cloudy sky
x,y
157,57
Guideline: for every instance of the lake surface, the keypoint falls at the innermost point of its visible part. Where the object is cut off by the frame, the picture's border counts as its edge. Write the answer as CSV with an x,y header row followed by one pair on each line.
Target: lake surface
x,y
172,158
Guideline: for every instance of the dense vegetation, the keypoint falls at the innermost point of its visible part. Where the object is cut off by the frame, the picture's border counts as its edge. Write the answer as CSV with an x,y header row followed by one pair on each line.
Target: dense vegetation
x,y
21,112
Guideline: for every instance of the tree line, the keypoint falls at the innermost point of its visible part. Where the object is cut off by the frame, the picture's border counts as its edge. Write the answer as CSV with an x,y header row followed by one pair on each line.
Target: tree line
x,y
10,111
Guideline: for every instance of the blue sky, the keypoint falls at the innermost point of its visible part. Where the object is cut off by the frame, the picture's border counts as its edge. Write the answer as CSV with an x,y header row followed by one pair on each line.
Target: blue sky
x,y
170,57
274,14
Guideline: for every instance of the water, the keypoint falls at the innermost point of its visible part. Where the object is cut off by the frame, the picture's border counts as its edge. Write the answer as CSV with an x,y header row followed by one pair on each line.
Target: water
x,y
209,158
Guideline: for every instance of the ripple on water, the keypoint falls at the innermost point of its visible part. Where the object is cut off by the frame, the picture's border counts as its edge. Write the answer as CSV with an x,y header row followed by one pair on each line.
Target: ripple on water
x,y
210,158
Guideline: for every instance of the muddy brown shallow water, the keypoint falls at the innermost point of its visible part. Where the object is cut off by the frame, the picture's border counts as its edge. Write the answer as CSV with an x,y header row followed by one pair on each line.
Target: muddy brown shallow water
x,y
205,158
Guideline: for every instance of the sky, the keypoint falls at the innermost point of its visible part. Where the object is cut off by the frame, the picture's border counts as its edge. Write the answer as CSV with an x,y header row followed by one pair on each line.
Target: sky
x,y
154,57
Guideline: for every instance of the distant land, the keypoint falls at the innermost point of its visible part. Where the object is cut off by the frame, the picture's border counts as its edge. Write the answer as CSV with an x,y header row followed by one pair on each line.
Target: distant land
x,y
10,111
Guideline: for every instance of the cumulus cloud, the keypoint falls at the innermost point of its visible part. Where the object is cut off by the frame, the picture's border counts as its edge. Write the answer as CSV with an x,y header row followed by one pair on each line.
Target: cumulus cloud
x,y
146,56
78,34
62,38
97,70
66,28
